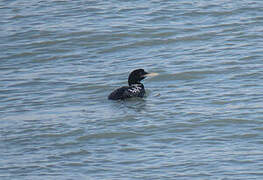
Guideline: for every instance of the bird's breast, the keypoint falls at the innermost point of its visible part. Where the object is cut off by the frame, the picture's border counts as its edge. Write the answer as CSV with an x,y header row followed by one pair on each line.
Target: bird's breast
x,y
135,89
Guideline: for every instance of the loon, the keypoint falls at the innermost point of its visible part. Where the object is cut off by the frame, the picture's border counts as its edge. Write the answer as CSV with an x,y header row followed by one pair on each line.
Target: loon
x,y
135,88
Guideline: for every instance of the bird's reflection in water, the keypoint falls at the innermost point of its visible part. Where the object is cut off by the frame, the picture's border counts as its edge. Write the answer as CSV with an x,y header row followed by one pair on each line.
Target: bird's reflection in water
x,y
129,106
135,104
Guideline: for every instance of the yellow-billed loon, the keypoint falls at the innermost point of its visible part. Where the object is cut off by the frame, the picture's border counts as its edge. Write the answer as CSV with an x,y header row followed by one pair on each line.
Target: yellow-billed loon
x,y
135,88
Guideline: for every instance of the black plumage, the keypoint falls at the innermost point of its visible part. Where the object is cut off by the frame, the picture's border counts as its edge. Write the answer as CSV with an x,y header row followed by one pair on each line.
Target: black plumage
x,y
135,88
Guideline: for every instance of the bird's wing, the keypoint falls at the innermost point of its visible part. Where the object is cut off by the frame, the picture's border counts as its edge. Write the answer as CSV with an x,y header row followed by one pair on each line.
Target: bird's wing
x,y
119,93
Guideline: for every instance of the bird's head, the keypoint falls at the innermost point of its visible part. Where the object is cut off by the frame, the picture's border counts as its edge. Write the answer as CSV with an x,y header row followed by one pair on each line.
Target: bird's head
x,y
137,75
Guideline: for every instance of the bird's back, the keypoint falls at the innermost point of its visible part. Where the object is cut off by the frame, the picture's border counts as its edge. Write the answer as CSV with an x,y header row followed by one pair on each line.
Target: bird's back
x,y
127,92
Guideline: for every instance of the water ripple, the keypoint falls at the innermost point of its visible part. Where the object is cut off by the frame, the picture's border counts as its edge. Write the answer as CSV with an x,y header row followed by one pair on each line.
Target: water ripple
x,y
61,59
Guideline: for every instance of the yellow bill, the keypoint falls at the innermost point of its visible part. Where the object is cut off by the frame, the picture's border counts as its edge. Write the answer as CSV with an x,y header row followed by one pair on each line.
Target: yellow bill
x,y
151,74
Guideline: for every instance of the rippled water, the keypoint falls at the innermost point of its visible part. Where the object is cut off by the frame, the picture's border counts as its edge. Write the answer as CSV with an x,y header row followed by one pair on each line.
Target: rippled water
x,y
202,117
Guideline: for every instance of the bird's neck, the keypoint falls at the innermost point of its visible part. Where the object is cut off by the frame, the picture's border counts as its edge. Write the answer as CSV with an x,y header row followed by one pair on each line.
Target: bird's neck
x,y
136,84
132,82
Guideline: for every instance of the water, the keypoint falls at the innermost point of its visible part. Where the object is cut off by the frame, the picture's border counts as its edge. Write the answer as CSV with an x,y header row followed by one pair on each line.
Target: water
x,y
201,119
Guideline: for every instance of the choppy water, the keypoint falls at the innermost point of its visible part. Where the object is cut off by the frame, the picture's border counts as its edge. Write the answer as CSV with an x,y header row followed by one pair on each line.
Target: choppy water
x,y
202,117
